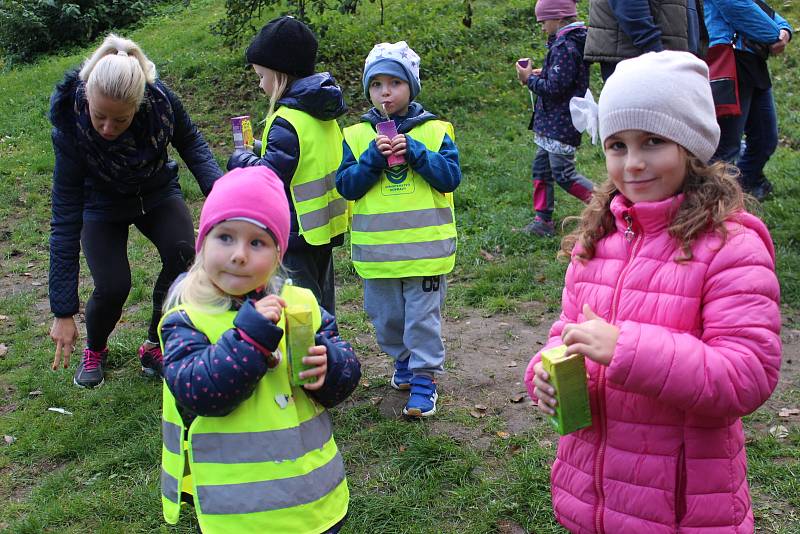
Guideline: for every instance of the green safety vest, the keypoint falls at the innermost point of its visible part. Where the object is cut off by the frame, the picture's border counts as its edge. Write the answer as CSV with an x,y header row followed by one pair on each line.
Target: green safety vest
x,y
321,211
271,465
402,226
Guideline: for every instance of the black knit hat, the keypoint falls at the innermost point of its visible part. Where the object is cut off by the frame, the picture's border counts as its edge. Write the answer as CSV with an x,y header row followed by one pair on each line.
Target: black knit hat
x,y
286,45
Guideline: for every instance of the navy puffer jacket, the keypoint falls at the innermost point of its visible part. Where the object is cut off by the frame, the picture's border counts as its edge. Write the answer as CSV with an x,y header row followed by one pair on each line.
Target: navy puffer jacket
x,y
78,193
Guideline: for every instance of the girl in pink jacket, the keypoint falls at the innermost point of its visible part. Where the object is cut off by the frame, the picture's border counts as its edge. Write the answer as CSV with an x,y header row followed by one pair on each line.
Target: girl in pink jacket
x,y
671,296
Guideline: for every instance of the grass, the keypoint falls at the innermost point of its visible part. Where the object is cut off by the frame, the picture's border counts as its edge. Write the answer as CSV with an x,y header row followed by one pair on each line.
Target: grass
x,y
96,470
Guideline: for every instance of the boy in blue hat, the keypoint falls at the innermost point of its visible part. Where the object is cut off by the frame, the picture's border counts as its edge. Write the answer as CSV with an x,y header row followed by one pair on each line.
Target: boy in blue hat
x,y
403,232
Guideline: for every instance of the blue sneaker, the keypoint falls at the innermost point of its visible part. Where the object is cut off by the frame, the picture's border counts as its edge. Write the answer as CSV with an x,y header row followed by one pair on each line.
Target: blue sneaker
x,y
422,401
401,379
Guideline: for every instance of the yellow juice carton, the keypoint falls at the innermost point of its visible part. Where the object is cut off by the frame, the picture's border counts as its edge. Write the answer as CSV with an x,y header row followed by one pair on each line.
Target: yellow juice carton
x,y
299,337
242,132
568,377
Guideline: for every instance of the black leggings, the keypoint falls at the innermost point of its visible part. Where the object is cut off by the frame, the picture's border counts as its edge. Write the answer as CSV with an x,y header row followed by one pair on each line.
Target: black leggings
x,y
105,245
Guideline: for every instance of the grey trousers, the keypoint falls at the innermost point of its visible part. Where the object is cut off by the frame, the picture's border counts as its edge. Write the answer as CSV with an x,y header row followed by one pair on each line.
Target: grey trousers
x,y
406,313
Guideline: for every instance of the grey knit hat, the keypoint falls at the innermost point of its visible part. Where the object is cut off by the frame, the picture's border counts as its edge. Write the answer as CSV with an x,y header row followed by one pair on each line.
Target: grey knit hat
x,y
666,93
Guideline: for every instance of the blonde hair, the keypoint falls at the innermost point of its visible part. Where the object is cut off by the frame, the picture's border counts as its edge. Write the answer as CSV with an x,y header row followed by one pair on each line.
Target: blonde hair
x,y
197,289
711,196
118,69
280,80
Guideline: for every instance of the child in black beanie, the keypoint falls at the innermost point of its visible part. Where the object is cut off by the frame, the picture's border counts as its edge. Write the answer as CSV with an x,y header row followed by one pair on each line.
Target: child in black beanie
x,y
302,143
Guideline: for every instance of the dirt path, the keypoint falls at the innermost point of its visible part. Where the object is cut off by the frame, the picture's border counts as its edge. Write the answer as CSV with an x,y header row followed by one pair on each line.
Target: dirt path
x,y
486,359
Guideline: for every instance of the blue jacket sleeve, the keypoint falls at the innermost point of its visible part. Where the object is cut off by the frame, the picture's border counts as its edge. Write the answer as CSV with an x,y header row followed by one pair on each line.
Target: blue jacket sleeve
x,y
636,21
440,169
192,147
355,178
743,17
282,152
560,78
344,369
212,379
65,227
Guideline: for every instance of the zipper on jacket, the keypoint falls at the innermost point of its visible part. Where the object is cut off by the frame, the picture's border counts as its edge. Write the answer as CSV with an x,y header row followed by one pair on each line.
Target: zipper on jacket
x,y
630,236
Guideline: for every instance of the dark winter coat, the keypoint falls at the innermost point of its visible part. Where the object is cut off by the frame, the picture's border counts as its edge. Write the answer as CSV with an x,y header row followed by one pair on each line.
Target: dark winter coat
x,y
564,75
79,194
212,379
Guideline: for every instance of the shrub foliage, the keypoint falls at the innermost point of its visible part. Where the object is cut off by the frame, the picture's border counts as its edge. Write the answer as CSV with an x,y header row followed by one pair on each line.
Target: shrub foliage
x,y
29,28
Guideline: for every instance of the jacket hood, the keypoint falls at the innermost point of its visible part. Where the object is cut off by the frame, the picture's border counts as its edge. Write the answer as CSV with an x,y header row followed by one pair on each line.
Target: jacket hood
x,y
61,101
575,32
318,95
416,116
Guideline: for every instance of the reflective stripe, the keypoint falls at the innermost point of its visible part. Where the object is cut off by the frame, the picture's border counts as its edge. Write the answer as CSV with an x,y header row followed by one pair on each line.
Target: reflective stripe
x,y
169,486
251,497
315,188
269,446
171,435
321,217
405,251
404,220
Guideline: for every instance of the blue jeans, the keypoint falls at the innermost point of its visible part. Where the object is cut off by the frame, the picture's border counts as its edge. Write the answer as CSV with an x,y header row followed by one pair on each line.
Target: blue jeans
x,y
759,123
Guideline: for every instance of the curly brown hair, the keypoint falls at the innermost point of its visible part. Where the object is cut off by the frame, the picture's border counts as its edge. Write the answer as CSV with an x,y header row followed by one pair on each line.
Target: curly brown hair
x,y
711,195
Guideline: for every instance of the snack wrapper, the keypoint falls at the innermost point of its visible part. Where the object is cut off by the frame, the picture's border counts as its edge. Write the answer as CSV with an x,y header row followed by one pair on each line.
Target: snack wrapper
x,y
568,377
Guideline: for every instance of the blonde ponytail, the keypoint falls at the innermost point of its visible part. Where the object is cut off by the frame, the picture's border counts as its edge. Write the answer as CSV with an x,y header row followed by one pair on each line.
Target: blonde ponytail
x,y
118,69
280,80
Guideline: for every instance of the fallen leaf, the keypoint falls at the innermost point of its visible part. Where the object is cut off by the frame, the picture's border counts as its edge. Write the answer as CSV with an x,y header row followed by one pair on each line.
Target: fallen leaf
x,y
488,256
476,414
788,412
512,363
27,274
375,400
481,407
3,349
519,397
779,431
501,323
35,393
9,439
365,383
36,283
545,444
3,317
506,526
504,435
514,449
402,448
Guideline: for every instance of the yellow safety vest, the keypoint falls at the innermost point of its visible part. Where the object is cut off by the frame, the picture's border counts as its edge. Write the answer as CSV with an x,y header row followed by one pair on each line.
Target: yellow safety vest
x,y
402,226
321,211
271,465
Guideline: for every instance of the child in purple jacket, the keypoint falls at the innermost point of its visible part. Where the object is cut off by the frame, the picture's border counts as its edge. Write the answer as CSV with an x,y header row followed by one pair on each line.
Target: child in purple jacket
x,y
562,76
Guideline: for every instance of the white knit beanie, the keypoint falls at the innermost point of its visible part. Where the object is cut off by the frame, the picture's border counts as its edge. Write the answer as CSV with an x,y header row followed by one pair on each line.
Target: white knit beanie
x,y
665,93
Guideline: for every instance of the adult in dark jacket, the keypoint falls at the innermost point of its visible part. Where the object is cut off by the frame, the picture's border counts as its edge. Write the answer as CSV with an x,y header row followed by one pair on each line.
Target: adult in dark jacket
x,y
112,123
756,33
622,29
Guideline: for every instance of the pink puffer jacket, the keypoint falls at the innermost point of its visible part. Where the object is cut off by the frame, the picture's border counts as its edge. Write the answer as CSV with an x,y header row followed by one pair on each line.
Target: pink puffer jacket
x,y
699,347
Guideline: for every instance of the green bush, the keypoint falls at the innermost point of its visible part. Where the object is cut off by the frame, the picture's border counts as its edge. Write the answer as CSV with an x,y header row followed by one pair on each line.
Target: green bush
x,y
29,28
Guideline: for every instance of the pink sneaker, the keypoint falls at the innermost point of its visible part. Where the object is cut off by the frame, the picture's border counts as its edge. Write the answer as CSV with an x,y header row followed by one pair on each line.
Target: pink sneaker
x,y
152,360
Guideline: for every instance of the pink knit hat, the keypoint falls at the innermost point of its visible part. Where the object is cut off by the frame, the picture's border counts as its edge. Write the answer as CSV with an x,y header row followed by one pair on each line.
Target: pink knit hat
x,y
555,9
254,194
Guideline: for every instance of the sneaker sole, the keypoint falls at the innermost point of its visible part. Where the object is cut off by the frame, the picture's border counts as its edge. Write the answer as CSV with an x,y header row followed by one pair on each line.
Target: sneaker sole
x,y
400,387
416,412
86,386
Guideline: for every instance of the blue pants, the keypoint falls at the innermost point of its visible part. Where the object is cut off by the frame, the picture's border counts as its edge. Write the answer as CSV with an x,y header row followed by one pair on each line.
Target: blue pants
x,y
549,167
407,315
759,123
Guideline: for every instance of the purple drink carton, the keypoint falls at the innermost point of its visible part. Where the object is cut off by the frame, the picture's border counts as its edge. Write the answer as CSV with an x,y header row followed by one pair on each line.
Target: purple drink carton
x,y
523,63
242,132
389,129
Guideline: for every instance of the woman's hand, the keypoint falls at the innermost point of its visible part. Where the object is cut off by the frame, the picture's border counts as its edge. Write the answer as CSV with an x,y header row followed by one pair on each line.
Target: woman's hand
x,y
270,307
543,390
594,338
65,333
384,145
399,145
318,357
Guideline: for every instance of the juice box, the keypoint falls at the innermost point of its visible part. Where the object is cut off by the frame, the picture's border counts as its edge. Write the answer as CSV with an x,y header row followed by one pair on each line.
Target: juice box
x,y
299,337
242,132
389,129
568,377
